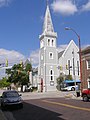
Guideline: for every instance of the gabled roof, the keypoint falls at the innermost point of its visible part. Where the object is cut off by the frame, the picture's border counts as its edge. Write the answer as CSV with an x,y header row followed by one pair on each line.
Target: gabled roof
x,y
86,50
27,62
71,42
62,53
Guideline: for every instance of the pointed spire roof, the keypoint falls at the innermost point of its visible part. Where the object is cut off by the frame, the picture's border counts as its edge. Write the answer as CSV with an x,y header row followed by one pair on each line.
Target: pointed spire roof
x,y
48,26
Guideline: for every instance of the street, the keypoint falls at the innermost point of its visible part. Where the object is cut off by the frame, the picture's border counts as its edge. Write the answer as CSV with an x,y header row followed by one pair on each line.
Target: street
x,y
51,109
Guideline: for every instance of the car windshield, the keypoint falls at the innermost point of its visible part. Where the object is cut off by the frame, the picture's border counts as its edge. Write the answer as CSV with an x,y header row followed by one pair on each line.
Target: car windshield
x,y
11,94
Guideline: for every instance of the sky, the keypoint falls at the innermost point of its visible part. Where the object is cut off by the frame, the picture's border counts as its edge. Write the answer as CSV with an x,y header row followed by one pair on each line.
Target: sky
x,y
21,23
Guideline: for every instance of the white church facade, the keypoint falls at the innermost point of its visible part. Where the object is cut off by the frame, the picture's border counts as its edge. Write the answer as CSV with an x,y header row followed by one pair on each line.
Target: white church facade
x,y
52,62
68,61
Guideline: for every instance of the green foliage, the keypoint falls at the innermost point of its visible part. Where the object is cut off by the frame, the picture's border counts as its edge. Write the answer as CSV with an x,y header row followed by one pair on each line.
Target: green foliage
x,y
63,77
18,74
60,79
23,79
68,77
28,67
4,83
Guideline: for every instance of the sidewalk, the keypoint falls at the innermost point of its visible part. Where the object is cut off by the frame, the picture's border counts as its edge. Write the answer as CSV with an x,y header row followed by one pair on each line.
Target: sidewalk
x,y
54,94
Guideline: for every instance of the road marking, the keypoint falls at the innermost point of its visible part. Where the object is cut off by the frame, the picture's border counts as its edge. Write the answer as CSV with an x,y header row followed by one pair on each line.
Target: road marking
x,y
67,105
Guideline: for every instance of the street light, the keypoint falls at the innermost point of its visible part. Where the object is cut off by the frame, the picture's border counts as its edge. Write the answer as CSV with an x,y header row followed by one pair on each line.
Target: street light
x,y
67,28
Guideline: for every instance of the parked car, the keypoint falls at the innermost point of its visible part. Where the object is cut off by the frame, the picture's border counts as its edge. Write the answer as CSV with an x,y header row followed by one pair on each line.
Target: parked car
x,y
86,95
10,98
29,89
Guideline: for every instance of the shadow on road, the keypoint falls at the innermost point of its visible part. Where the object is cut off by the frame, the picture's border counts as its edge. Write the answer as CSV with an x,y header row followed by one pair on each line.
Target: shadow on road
x,y
32,112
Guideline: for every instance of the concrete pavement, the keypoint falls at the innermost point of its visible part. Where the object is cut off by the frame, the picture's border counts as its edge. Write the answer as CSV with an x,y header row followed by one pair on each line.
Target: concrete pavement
x,y
54,94
39,95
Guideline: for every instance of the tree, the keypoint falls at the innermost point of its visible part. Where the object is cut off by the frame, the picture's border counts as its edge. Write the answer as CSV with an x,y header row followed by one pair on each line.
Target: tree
x,y
4,82
68,77
18,74
60,78
28,67
59,81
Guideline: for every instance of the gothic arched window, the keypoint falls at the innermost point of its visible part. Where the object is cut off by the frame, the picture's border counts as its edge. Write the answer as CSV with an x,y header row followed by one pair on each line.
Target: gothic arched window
x,y
50,55
52,42
51,75
48,42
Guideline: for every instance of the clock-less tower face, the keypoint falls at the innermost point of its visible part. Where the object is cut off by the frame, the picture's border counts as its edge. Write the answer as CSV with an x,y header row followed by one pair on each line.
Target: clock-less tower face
x,y
48,54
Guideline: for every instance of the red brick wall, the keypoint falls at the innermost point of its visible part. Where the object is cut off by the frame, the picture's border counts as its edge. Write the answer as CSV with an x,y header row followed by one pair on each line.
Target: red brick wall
x,y
85,71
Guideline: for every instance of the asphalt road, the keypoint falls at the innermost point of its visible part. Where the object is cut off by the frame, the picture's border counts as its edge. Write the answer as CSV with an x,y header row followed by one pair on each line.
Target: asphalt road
x,y
51,109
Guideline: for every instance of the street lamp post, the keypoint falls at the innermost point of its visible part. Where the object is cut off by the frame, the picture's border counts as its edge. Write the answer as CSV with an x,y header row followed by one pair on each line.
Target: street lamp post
x,y
79,42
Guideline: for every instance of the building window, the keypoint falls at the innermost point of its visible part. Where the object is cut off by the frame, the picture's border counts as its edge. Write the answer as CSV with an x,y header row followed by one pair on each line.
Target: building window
x,y
52,42
51,75
51,55
48,42
73,67
51,72
41,57
88,64
89,84
69,63
69,66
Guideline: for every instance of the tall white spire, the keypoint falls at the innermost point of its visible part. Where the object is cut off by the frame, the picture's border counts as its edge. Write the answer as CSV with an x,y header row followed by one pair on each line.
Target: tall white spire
x,y
48,26
47,2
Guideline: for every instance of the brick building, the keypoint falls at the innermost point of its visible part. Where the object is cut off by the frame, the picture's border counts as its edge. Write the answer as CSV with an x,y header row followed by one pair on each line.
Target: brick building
x,y
85,56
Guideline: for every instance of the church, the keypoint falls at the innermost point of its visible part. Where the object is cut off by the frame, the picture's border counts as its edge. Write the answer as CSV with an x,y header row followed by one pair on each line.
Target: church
x,y
51,61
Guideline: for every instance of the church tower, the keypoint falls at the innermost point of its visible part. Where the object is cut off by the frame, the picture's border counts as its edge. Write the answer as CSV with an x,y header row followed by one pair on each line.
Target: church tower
x,y
48,58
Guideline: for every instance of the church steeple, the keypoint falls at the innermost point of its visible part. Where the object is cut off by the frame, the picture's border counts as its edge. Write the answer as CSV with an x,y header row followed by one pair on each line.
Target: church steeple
x,y
47,2
48,26
48,54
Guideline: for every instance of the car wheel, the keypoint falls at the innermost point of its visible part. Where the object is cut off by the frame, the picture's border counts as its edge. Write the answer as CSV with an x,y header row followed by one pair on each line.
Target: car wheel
x,y
85,98
2,106
73,89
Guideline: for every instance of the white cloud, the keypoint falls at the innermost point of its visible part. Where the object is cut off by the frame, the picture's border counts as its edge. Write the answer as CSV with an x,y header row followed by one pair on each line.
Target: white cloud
x,y
61,47
12,56
86,7
65,7
34,57
4,2
85,46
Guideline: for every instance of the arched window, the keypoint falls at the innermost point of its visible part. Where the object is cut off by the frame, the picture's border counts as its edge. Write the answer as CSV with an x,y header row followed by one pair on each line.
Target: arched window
x,y
50,55
51,72
48,42
52,42
51,75
69,66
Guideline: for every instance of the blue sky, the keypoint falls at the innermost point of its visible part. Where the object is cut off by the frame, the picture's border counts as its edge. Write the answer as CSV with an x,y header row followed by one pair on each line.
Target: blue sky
x,y
21,24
